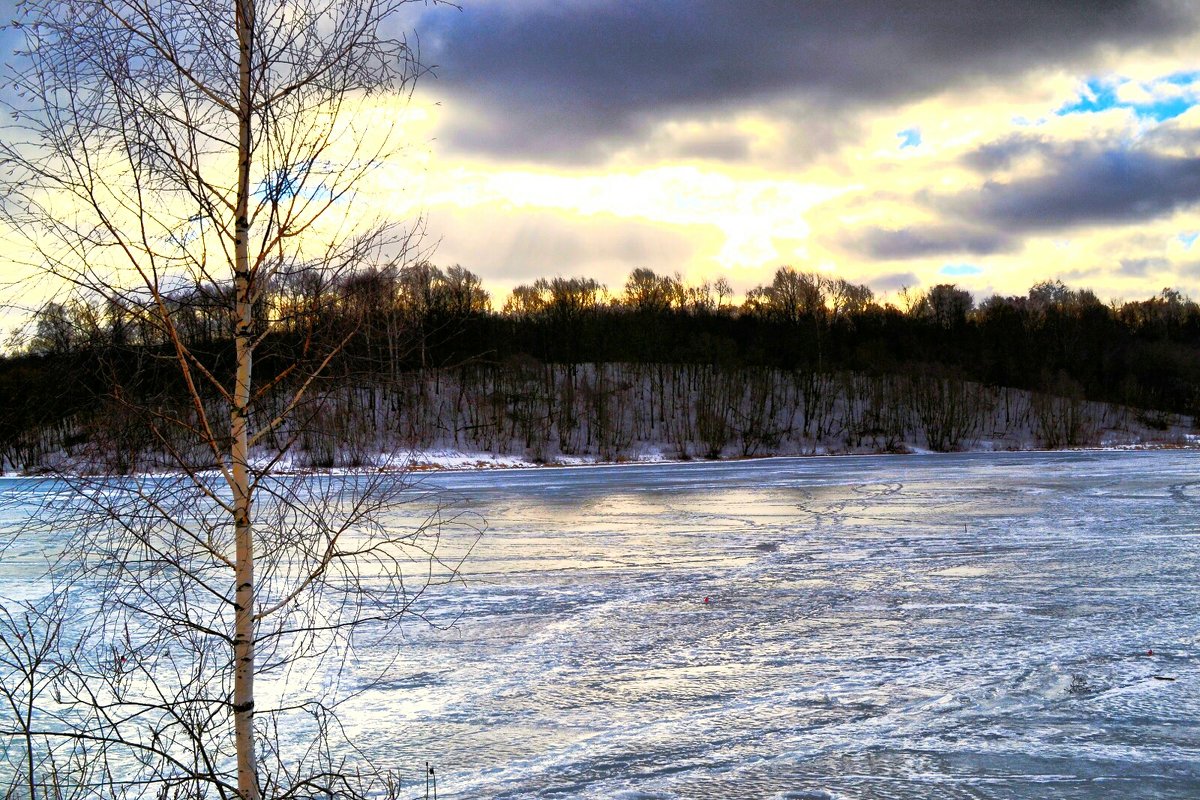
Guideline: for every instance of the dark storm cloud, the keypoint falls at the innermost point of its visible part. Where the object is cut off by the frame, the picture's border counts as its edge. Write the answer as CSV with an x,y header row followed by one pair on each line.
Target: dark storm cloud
x,y
930,240
1083,185
573,79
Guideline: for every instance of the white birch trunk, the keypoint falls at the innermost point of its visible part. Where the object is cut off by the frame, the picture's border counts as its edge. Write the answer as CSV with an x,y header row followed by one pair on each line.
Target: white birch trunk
x,y
244,594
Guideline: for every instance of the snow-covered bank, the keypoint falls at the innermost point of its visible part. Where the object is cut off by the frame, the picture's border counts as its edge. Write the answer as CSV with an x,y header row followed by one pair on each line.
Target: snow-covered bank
x,y
555,414
568,415
461,461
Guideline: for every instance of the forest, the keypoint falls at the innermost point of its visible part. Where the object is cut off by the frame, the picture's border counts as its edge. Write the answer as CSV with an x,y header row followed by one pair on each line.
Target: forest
x,y
419,357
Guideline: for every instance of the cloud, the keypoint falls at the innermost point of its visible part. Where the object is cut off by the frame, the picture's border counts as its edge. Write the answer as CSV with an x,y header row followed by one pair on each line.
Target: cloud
x,y
526,245
1004,153
1076,275
574,80
1140,267
926,240
1078,184
729,147
893,281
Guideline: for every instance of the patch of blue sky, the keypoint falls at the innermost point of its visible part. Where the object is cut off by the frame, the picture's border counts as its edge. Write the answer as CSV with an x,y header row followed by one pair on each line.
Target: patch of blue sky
x,y
1186,78
1188,238
1163,110
300,182
1098,94
1103,94
960,270
909,137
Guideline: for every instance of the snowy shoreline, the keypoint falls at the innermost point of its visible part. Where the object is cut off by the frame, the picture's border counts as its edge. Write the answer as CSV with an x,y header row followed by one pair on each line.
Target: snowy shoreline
x,y
465,462
460,461
452,460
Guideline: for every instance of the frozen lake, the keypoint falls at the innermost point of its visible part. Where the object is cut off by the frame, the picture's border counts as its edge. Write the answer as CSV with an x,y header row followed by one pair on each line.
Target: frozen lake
x,y
935,627
952,626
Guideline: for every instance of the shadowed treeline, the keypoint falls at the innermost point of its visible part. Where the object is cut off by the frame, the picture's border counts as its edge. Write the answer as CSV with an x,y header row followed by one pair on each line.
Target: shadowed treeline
x,y
422,358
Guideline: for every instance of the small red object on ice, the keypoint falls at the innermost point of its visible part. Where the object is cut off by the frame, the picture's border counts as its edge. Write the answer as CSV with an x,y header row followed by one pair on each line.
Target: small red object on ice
x,y
706,601
1149,652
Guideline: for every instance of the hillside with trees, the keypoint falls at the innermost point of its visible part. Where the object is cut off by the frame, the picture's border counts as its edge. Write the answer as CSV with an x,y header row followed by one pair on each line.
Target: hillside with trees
x,y
566,367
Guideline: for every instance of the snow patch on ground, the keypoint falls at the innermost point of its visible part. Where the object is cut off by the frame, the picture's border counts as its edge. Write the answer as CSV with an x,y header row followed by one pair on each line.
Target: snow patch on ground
x,y
421,460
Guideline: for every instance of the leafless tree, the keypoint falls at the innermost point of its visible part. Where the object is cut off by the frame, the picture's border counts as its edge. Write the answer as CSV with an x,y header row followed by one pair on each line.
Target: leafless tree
x,y
712,410
653,294
168,146
1062,417
756,411
949,410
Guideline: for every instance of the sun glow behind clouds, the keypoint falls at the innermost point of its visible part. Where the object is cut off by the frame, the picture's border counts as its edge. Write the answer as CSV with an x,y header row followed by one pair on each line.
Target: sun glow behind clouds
x,y
902,170
882,156
752,211
764,210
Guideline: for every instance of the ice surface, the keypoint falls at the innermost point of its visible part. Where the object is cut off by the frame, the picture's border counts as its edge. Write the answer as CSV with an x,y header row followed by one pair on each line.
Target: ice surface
x,y
936,627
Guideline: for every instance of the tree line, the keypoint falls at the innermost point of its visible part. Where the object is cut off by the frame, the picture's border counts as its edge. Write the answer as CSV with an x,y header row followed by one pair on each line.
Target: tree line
x,y
565,365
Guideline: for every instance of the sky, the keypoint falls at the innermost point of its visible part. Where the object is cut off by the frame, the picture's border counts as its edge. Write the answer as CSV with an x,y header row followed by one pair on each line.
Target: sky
x,y
897,143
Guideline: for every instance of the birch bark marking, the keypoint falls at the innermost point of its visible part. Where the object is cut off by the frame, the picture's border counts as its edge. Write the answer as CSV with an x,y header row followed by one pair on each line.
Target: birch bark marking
x,y
244,595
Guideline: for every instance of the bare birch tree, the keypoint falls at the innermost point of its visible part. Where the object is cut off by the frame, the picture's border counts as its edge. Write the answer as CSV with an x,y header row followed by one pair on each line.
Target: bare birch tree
x,y
175,147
